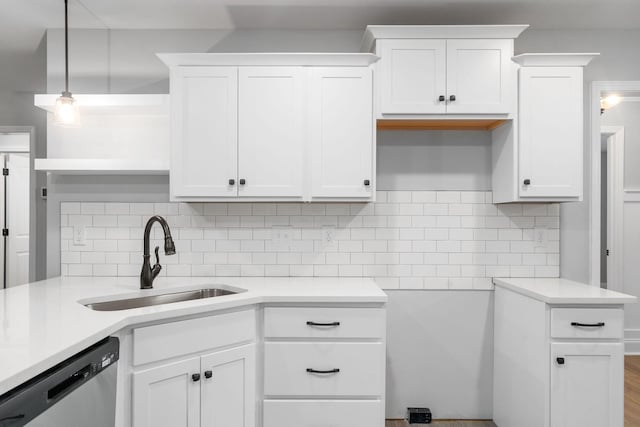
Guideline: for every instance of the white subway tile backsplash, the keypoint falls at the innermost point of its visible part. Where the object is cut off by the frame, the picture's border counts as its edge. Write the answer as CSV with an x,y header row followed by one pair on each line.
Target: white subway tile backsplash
x,y
407,240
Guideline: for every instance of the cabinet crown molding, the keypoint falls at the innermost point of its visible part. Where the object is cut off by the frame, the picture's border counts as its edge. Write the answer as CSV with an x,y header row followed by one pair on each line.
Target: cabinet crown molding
x,y
269,59
555,59
374,32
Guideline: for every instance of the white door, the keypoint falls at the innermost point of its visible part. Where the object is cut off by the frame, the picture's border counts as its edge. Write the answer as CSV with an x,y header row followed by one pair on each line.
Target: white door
x,y
341,132
167,395
412,76
550,134
479,76
228,388
587,384
204,132
18,218
271,131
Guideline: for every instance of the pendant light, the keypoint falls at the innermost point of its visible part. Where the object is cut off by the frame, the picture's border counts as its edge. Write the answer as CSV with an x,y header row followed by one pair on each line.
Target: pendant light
x,y
66,110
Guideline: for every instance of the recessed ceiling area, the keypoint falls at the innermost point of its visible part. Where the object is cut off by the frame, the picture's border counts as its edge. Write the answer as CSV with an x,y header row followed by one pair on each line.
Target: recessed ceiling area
x,y
23,22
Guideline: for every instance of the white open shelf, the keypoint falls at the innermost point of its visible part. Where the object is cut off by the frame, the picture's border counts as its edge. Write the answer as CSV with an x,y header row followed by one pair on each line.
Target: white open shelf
x,y
102,166
152,104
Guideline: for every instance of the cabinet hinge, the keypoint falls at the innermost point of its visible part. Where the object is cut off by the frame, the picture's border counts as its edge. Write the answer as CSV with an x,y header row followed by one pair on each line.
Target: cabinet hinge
x,y
5,171
607,252
5,232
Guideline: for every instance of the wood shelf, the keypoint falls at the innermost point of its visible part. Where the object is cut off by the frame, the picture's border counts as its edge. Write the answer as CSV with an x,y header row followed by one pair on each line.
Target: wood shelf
x,y
452,124
102,166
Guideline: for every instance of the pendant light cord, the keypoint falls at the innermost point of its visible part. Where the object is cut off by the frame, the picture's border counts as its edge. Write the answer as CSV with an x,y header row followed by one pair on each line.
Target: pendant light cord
x,y
66,48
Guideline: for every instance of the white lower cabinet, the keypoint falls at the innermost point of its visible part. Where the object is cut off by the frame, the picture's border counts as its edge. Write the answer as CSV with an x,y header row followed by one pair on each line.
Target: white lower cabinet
x,y
213,390
324,413
167,395
557,366
324,366
586,383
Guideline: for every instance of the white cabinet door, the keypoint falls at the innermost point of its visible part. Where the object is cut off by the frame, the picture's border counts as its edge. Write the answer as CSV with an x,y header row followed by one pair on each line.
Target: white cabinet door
x,y
271,131
479,76
204,131
341,132
412,76
587,383
550,134
167,395
228,388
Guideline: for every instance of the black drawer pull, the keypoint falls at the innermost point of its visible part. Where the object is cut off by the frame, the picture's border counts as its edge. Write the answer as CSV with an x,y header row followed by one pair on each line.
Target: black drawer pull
x,y
316,371
195,377
323,324
560,360
208,374
232,182
588,325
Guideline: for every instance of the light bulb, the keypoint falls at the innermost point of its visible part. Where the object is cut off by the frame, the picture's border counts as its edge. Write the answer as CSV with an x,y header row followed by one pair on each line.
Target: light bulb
x,y
66,110
610,101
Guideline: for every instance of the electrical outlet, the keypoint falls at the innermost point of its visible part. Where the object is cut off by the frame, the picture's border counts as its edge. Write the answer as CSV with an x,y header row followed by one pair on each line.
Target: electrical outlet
x,y
79,235
539,238
281,237
329,237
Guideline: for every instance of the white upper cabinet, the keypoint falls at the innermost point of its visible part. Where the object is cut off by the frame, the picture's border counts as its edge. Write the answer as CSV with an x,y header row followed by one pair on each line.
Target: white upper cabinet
x,y
413,76
271,131
479,76
443,70
204,116
341,132
550,132
539,157
271,127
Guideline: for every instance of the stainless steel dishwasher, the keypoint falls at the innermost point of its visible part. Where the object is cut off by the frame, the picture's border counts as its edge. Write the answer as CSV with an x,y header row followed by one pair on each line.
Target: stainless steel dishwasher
x,y
79,392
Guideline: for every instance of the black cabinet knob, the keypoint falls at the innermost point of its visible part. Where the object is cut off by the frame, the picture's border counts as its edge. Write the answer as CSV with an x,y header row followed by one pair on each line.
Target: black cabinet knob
x,y
527,182
208,374
232,182
367,182
441,98
560,360
195,377
242,181
452,98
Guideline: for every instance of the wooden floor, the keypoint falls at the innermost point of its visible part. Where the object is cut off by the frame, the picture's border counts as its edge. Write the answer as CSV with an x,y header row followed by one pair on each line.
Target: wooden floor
x,y
632,391
631,401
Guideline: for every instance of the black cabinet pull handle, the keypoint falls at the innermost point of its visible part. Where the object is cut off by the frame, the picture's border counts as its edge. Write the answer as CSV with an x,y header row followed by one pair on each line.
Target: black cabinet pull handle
x,y
367,182
232,182
316,371
195,377
587,325
560,360
527,182
452,98
441,98
323,324
208,374
242,181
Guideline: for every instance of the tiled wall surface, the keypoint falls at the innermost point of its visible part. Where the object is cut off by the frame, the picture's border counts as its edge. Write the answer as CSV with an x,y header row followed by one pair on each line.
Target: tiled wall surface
x,y
407,239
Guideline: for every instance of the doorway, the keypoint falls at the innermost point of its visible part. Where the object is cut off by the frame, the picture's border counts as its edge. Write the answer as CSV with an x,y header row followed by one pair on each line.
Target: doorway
x,y
15,208
612,207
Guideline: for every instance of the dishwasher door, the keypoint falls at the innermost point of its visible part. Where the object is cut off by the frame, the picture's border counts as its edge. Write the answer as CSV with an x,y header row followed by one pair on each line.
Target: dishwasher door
x,y
79,392
93,404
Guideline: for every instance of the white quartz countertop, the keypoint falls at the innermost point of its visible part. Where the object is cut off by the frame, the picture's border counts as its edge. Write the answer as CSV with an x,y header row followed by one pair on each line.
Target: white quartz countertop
x,y
563,291
43,323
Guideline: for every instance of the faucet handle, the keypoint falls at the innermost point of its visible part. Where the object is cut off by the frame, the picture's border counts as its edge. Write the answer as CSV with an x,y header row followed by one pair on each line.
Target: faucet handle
x,y
157,255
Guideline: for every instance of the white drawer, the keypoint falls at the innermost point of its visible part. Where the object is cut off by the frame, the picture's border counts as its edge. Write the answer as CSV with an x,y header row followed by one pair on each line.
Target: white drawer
x,y
325,413
590,323
321,322
159,342
361,369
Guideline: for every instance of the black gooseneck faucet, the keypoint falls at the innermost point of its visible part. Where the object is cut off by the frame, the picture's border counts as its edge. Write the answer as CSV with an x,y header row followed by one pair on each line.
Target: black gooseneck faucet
x,y
149,273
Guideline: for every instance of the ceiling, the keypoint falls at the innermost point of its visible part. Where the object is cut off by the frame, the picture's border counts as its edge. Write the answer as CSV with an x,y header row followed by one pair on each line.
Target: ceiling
x,y
22,22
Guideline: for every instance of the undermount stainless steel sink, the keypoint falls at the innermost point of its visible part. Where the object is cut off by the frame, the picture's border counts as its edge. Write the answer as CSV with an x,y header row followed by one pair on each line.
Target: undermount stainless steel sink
x,y
168,298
